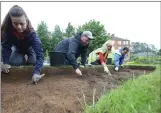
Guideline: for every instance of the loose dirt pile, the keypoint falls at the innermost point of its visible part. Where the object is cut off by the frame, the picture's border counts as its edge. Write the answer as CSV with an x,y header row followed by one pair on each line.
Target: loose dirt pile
x,y
60,91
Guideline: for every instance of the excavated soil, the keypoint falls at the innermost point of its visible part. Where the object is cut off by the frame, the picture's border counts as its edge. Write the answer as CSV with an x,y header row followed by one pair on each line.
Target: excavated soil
x,y
60,91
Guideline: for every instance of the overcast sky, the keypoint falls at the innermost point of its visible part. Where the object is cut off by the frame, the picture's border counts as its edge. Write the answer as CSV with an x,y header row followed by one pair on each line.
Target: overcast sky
x,y
136,21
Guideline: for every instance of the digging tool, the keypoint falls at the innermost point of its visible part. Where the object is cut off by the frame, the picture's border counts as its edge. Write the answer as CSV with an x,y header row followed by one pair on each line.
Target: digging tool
x,y
42,75
106,70
122,66
109,73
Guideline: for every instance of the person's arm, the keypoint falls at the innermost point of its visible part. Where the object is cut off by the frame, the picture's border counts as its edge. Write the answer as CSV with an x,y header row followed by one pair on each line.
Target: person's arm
x,y
101,58
6,49
84,57
121,60
116,59
73,46
103,63
90,58
36,45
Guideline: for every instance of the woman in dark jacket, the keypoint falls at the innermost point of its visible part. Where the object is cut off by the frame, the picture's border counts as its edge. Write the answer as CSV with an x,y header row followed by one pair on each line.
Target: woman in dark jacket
x,y
20,39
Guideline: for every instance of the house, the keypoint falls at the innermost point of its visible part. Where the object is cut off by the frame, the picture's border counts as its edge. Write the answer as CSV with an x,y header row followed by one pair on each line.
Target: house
x,y
120,43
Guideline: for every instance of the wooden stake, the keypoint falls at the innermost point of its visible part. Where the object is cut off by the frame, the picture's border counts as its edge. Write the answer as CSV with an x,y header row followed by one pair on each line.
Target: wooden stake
x,y
42,75
94,91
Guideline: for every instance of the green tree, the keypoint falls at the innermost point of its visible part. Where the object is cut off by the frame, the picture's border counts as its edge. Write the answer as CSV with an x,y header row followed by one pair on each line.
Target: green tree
x,y
42,31
57,36
159,52
153,48
47,55
142,47
70,30
98,32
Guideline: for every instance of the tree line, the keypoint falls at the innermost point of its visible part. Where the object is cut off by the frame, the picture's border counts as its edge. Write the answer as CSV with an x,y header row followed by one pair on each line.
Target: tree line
x,y
51,39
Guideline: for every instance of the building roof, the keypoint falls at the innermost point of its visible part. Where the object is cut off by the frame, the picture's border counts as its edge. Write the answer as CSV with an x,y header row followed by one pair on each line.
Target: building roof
x,y
120,39
116,38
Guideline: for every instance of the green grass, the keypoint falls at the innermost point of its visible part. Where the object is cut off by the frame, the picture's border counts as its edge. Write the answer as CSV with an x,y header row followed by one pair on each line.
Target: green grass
x,y
132,62
141,95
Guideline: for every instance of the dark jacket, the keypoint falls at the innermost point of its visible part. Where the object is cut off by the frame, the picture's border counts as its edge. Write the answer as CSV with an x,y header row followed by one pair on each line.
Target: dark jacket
x,y
73,48
31,40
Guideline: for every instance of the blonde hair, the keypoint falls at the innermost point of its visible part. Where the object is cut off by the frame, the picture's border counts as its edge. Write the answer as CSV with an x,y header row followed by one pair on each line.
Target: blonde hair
x,y
107,43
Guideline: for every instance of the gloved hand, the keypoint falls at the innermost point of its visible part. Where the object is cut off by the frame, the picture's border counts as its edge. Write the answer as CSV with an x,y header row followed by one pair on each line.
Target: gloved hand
x,y
116,68
36,78
5,68
89,65
122,66
82,66
106,70
78,72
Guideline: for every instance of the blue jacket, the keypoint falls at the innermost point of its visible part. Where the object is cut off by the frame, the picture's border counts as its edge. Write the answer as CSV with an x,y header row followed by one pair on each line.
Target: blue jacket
x,y
31,40
73,48
118,58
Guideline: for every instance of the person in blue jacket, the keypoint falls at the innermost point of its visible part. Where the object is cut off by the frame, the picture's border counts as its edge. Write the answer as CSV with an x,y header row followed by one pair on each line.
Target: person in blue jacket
x,y
18,39
74,47
119,57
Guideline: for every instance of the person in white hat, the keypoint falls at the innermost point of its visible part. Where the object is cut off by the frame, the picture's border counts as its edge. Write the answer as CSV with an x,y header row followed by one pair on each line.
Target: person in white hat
x,y
74,47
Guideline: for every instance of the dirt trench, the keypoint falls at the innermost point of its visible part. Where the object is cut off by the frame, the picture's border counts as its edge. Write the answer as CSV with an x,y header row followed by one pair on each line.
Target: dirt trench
x,y
60,91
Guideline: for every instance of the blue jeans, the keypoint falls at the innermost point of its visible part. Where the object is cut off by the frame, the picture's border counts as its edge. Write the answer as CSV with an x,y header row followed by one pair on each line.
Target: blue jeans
x,y
17,57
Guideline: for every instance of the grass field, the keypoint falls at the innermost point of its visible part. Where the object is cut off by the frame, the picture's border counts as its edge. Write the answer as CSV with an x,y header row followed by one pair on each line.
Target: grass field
x,y
141,95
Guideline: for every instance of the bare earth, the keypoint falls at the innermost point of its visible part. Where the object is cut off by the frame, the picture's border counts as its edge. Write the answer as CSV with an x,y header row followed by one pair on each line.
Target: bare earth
x,y
60,91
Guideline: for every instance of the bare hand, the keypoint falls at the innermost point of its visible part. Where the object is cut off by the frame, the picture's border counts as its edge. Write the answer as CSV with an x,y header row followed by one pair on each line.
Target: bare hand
x,y
78,72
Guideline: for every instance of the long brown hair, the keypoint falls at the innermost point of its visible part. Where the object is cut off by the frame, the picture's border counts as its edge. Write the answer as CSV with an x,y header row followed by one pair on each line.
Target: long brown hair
x,y
15,11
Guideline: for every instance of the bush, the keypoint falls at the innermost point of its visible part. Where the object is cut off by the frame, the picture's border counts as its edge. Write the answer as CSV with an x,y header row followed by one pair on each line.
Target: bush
x,y
147,60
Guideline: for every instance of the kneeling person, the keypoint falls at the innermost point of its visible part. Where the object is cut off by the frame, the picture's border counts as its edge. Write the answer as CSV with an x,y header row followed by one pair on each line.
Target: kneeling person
x,y
100,56
75,47
19,39
119,57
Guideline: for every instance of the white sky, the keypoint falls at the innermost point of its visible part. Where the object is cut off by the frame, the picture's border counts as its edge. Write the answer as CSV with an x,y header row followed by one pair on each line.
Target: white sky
x,y
137,21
